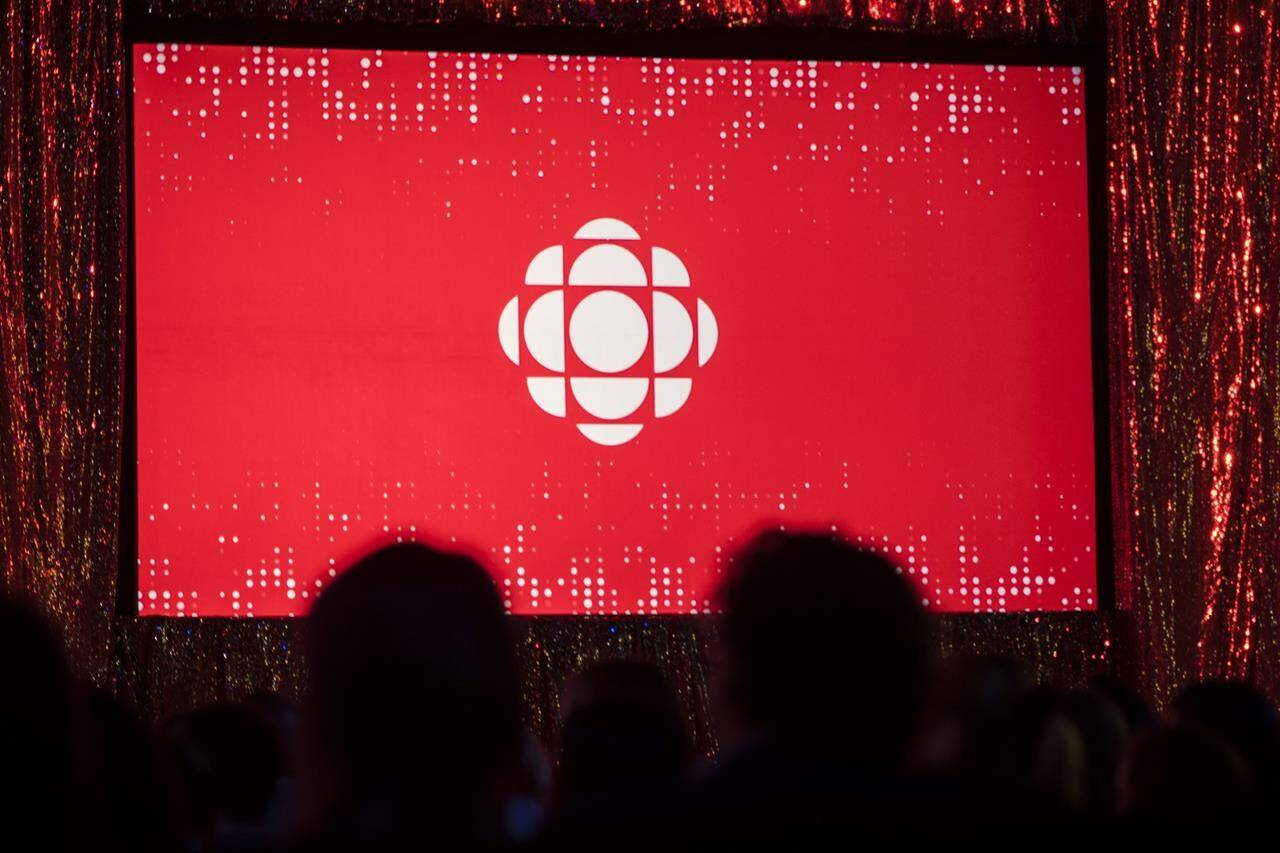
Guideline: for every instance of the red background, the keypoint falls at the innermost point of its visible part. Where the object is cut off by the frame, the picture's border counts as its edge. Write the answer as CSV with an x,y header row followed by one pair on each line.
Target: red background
x,y
904,345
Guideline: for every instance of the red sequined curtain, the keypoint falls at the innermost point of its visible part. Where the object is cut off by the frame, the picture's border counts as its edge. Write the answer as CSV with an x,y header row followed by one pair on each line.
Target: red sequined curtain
x,y
1194,130
1194,268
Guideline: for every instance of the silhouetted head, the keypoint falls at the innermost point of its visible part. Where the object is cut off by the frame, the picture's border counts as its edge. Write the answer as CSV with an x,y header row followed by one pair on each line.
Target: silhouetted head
x,y
228,761
1183,773
623,733
988,722
284,718
413,703
39,737
619,680
1042,750
1242,717
1104,735
970,703
826,647
1137,714
133,807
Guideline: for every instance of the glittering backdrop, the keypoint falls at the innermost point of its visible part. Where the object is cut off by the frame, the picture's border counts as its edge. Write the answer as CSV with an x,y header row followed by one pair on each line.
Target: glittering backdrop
x,y
1194,124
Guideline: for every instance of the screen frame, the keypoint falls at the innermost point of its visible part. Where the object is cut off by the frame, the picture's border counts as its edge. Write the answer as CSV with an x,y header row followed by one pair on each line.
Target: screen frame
x,y
770,42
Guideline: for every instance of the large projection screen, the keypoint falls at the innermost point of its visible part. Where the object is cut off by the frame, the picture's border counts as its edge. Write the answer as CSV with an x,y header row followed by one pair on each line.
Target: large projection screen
x,y
600,318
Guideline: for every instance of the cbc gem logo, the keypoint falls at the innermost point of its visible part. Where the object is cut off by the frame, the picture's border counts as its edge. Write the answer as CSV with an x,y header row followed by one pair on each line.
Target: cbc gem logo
x,y
630,351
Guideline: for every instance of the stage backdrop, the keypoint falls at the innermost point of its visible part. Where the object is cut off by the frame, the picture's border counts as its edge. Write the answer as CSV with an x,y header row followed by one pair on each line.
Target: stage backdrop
x,y
1194,124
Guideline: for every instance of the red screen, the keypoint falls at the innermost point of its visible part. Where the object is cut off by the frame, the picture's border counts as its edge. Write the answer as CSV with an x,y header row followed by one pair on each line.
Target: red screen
x,y
597,319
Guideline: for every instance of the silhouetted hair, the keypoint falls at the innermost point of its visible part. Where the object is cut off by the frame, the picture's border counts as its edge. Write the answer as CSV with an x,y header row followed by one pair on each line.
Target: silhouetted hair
x,y
1137,714
624,680
968,714
1104,734
134,806
230,763
1183,773
1245,719
413,701
284,718
1042,751
623,734
827,645
39,734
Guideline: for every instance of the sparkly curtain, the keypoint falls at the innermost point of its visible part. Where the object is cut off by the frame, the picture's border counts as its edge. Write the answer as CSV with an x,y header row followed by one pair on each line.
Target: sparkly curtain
x,y
1194,267
61,313
1194,130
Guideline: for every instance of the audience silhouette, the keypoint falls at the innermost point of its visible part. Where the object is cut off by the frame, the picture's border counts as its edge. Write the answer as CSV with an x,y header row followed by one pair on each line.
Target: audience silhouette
x,y
1183,773
413,713
226,761
820,680
623,741
40,737
1245,720
833,719
800,609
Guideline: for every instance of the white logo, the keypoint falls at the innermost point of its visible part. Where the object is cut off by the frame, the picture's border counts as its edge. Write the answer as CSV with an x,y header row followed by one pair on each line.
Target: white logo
x,y
610,332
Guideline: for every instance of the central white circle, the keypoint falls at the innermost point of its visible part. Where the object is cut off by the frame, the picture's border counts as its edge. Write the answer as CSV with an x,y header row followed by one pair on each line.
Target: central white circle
x,y
609,331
